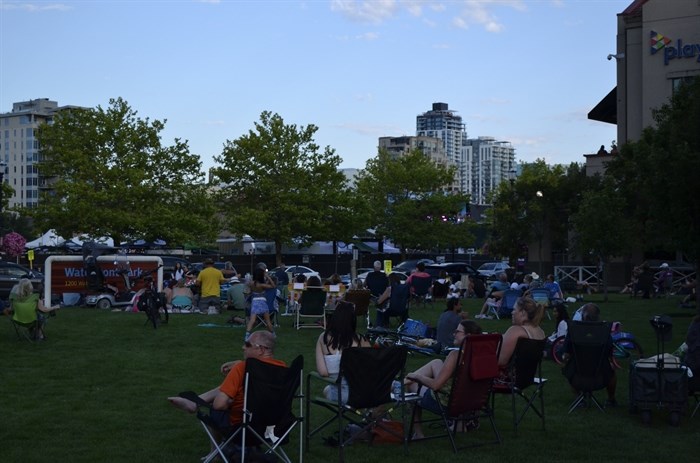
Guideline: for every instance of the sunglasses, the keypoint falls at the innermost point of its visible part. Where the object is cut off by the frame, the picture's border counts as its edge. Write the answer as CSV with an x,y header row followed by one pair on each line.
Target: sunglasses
x,y
248,344
457,331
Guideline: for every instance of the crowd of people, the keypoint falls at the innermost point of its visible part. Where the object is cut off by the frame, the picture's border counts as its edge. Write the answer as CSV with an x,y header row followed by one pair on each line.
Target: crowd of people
x,y
453,325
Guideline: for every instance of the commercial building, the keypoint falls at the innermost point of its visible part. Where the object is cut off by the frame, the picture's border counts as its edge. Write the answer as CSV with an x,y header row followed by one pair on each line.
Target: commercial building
x,y
658,47
20,148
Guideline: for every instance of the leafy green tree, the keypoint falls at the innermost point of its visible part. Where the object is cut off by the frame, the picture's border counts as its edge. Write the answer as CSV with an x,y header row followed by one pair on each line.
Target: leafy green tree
x,y
658,175
406,202
111,176
277,184
533,210
602,226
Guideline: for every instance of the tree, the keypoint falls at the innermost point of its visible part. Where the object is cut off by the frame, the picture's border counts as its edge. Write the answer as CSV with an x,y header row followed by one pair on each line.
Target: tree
x,y
602,226
536,206
406,202
658,173
277,184
110,176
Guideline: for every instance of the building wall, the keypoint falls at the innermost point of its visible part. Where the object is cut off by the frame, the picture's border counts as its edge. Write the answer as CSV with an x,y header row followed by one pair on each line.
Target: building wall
x,y
490,163
646,78
20,148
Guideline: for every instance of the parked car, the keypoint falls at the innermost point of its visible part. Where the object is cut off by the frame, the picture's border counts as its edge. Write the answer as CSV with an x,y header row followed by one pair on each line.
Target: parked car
x,y
361,274
408,266
454,270
11,273
492,269
293,270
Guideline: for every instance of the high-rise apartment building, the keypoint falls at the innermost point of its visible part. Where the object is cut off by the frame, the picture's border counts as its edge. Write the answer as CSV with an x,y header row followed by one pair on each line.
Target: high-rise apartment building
x,y
430,146
20,148
488,163
444,124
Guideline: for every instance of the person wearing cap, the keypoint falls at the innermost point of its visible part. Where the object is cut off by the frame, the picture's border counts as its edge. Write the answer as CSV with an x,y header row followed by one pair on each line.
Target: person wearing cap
x,y
664,279
377,281
209,281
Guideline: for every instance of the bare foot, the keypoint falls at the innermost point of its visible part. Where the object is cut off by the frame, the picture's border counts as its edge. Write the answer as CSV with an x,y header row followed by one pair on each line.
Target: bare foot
x,y
183,404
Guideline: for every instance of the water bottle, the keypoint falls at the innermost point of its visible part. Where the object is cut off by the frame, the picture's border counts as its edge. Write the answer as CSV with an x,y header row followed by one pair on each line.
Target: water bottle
x,y
396,389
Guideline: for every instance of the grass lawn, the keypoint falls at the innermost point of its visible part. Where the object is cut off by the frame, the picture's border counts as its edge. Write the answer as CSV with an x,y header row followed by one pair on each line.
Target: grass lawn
x,y
96,389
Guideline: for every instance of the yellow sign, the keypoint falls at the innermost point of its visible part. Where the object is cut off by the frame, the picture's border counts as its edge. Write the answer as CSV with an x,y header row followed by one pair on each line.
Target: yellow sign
x,y
30,255
387,267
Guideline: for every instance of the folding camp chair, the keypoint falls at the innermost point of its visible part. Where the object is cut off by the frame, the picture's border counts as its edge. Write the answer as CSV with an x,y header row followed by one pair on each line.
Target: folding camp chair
x,y
369,373
26,331
270,298
398,305
420,287
268,418
588,369
541,296
524,371
361,299
312,305
468,399
508,300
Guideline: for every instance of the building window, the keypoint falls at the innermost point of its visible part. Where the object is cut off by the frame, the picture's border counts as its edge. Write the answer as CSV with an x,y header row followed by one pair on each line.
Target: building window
x,y
678,81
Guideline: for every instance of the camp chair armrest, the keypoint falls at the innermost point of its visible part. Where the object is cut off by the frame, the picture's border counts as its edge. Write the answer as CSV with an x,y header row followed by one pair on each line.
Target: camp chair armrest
x,y
194,397
326,379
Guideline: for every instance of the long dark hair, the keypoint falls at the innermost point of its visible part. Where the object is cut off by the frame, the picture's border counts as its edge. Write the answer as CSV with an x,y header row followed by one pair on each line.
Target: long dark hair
x,y
561,313
259,275
341,331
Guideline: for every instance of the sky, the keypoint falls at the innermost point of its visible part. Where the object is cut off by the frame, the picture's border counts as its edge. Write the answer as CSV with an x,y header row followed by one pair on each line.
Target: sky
x,y
523,71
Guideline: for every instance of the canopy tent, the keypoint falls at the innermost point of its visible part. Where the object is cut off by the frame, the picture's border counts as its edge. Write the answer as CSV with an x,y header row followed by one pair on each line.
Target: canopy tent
x,y
50,238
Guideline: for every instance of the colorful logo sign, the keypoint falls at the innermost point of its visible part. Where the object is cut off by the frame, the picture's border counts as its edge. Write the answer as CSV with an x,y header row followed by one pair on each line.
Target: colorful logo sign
x,y
673,50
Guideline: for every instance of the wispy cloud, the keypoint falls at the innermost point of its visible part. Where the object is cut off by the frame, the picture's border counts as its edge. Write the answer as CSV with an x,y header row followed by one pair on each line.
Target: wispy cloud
x,y
464,13
366,11
367,36
34,7
209,1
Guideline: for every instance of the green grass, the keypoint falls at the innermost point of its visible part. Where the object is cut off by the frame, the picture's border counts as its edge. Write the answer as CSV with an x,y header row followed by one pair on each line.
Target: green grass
x,y
96,389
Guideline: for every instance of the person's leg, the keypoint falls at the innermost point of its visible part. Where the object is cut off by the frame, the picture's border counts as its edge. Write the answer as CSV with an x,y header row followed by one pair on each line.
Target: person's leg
x,y
268,323
611,388
189,406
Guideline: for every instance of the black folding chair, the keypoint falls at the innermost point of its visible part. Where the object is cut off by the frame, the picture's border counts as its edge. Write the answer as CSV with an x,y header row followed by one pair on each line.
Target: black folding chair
x,y
312,305
524,371
361,299
268,418
588,369
468,398
369,373
421,288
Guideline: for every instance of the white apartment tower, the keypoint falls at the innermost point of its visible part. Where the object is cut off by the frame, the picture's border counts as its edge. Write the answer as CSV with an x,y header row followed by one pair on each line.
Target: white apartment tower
x,y
489,162
444,124
20,148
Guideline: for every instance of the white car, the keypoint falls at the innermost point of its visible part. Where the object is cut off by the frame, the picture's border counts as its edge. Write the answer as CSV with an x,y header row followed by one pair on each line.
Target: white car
x,y
294,270
492,269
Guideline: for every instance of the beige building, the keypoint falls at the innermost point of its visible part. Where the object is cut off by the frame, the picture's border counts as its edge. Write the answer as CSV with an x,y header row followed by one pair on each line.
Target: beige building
x,y
658,47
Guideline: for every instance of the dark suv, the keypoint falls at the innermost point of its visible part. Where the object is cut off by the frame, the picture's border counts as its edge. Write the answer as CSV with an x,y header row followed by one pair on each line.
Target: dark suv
x,y
10,274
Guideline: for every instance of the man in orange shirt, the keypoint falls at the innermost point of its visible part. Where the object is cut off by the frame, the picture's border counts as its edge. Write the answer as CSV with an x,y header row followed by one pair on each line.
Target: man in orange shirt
x,y
227,399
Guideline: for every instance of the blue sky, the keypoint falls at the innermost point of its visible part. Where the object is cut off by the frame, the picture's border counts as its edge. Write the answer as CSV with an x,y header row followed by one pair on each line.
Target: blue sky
x,y
524,71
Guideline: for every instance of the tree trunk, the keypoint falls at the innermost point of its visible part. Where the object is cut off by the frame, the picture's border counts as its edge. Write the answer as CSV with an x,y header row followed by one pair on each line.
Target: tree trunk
x,y
278,253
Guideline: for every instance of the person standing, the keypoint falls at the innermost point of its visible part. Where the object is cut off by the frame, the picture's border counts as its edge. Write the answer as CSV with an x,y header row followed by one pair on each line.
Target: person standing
x,y
209,281
376,281
282,282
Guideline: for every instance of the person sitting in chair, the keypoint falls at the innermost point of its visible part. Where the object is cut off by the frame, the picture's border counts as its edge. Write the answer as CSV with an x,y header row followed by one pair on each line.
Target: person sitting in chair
x,y
181,297
449,321
436,374
340,334
28,308
227,398
388,306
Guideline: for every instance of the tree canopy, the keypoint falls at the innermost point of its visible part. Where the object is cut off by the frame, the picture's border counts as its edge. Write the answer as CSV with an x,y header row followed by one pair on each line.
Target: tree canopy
x,y
407,202
276,183
109,175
